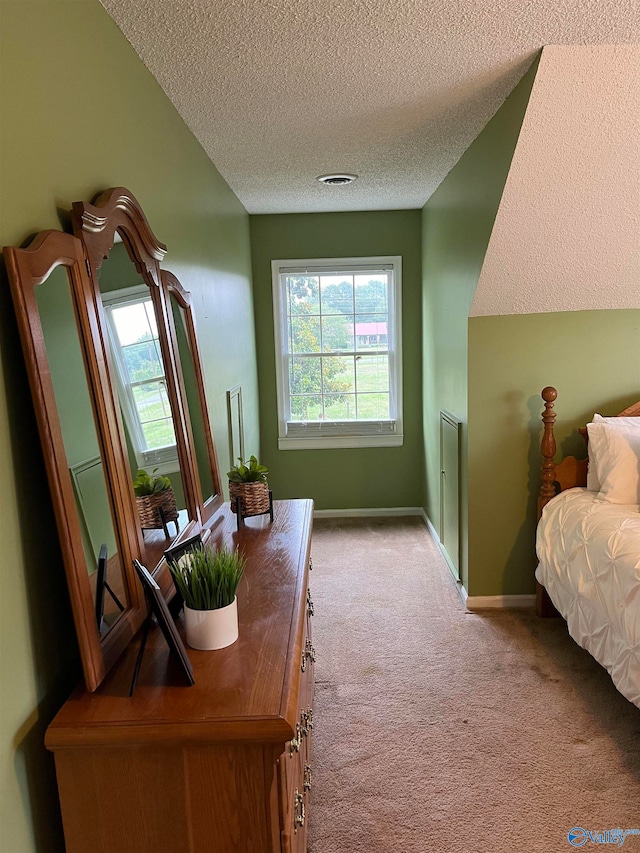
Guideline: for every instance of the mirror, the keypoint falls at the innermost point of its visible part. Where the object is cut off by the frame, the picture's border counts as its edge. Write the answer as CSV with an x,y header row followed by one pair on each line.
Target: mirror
x,y
123,253
186,345
54,300
64,296
141,382
66,366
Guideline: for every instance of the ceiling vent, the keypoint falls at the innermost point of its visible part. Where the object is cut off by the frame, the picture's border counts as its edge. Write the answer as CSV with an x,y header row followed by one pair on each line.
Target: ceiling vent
x,y
337,180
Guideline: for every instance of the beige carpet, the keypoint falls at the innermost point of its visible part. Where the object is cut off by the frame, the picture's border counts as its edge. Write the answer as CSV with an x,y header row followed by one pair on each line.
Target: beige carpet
x,y
438,730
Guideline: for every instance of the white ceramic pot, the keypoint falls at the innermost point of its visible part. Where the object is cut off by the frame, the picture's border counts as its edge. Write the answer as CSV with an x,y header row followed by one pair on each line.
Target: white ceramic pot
x,y
212,629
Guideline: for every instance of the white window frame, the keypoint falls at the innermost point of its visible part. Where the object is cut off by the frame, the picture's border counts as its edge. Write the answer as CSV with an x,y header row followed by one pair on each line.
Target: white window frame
x,y
297,435
163,458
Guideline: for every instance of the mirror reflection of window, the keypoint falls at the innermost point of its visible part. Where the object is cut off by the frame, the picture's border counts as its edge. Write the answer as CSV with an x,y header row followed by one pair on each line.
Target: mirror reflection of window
x,y
137,369
136,352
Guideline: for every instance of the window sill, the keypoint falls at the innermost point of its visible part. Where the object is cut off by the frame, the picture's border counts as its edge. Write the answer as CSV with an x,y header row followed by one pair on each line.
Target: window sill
x,y
167,466
340,441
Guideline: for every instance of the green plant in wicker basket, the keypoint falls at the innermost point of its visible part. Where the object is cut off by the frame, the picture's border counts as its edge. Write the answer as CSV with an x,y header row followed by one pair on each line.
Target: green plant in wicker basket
x,y
208,579
249,471
150,484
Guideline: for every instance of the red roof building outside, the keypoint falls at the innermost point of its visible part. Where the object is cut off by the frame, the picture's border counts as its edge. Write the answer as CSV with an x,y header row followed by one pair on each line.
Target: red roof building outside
x,y
370,333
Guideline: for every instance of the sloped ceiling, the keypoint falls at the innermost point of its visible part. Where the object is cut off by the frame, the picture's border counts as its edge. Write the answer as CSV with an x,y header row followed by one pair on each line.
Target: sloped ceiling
x,y
281,91
567,232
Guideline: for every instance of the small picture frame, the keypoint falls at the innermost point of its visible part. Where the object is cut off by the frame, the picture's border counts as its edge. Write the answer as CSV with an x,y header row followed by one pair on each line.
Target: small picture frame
x,y
160,610
172,555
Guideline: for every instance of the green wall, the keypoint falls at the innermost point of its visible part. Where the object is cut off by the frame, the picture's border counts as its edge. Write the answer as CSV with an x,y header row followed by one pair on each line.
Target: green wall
x,y
593,359
345,478
68,376
456,227
81,113
69,379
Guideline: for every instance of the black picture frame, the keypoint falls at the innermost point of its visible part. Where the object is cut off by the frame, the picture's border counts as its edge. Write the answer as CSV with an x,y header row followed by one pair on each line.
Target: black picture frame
x,y
102,586
101,580
159,609
172,555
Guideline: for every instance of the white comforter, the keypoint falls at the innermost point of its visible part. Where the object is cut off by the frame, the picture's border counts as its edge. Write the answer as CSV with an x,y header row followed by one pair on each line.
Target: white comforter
x,y
589,553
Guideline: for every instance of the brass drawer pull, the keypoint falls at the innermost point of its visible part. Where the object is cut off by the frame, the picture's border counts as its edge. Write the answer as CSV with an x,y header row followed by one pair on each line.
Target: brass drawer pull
x,y
307,777
298,809
307,721
309,651
309,603
296,741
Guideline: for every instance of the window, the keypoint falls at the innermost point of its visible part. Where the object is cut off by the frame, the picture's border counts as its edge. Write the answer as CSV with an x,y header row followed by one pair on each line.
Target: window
x,y
133,332
338,352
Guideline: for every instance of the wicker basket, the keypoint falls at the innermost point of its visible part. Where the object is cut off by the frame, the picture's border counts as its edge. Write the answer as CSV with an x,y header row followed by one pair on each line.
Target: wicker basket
x,y
149,507
254,497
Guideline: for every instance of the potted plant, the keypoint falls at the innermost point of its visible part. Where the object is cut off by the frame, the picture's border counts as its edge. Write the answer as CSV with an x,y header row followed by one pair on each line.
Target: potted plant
x,y
248,487
207,581
155,500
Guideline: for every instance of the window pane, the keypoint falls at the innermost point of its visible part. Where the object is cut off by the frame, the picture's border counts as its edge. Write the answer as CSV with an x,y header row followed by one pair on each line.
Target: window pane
x,y
305,376
336,293
152,405
142,361
373,406
371,294
133,322
372,373
158,434
371,331
303,294
340,407
306,408
337,333
304,334
338,374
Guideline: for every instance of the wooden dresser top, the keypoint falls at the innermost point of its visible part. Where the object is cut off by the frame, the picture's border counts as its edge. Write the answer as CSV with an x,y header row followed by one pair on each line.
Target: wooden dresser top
x,y
246,691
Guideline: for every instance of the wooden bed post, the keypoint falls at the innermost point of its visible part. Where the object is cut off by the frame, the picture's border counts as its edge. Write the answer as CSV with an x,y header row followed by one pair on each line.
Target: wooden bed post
x,y
548,448
544,605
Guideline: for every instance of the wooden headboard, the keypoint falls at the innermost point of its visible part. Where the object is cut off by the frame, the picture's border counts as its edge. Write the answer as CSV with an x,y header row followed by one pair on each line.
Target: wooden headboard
x,y
570,472
567,474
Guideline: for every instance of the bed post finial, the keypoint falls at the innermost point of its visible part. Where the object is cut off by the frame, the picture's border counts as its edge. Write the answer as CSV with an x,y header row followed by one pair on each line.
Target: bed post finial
x,y
548,448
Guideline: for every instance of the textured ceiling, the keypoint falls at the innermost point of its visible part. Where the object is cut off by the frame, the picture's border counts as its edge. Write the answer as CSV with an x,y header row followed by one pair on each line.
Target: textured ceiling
x,y
567,233
280,91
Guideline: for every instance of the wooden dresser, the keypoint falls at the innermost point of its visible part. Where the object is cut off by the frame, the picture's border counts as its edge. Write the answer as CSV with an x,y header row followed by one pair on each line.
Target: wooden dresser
x,y
223,765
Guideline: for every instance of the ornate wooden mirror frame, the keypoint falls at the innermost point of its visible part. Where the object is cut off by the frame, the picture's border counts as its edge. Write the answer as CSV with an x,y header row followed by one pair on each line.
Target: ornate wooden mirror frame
x,y
175,291
114,212
28,269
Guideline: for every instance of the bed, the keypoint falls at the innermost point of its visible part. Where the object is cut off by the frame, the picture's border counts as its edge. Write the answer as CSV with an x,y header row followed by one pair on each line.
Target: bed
x,y
588,541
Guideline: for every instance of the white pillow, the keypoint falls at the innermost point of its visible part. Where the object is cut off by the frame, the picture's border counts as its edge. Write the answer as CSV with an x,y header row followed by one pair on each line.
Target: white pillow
x,y
593,481
615,453
595,448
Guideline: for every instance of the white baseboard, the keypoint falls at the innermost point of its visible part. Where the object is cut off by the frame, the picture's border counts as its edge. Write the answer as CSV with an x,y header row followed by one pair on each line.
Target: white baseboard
x,y
454,571
493,602
480,602
432,529
368,511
